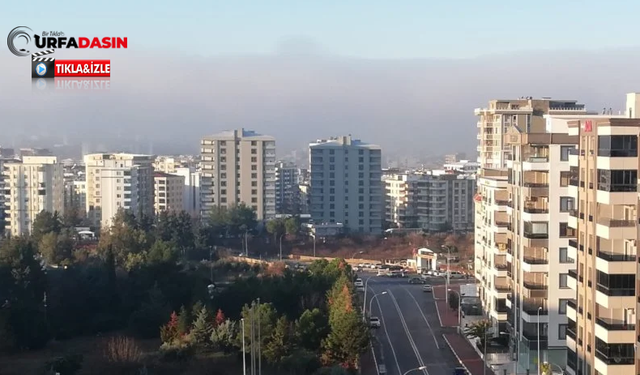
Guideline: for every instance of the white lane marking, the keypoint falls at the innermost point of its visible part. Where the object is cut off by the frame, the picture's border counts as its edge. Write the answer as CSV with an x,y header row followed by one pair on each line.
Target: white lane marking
x,y
424,317
408,332
384,326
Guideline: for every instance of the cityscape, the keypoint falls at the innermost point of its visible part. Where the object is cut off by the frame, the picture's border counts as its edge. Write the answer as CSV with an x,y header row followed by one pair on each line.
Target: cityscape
x,y
331,188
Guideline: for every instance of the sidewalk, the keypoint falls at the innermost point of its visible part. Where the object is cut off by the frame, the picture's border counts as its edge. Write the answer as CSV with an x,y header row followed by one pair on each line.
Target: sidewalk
x,y
447,316
465,354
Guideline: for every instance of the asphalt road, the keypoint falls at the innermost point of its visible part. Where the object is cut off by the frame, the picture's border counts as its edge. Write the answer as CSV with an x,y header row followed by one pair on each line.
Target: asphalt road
x,y
410,336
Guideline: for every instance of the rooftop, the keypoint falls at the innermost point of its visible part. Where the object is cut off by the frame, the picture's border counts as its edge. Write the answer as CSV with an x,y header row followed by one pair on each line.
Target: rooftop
x,y
238,134
344,140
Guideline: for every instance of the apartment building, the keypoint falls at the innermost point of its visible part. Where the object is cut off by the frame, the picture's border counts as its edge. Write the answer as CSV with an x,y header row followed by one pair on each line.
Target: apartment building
x,y
496,124
462,166
238,166
288,179
435,200
31,185
118,181
345,184
601,335
190,189
168,192
538,260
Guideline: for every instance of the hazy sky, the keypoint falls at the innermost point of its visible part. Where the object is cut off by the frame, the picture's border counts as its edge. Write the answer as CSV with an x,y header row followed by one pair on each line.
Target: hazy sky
x,y
404,74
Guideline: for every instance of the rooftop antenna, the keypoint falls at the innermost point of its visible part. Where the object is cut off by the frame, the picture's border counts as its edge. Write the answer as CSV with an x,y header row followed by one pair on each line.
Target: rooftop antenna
x,y
604,111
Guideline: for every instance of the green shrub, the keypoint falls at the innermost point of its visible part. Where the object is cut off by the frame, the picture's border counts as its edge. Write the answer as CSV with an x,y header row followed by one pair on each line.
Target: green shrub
x,y
67,365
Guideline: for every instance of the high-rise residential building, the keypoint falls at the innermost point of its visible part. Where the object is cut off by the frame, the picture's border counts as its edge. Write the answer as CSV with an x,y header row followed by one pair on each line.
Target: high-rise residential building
x,y
463,166
498,124
537,258
288,188
168,192
118,181
602,332
190,190
435,201
238,166
346,184
166,164
31,185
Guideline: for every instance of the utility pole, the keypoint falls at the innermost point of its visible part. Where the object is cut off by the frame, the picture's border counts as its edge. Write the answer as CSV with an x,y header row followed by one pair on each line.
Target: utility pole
x,y
253,341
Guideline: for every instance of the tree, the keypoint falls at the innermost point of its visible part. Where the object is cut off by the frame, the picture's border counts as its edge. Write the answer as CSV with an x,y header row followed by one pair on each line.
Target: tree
x,y
349,336
169,332
264,316
222,335
279,343
162,252
201,328
45,222
454,302
124,237
311,328
184,321
478,330
292,225
277,228
56,248
219,317
241,218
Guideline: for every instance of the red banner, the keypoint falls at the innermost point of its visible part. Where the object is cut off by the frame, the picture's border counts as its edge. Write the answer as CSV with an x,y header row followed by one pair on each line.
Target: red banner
x,y
83,68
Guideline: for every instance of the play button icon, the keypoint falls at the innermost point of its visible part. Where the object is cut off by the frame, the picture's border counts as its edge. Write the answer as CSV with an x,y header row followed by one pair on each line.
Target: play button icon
x,y
41,69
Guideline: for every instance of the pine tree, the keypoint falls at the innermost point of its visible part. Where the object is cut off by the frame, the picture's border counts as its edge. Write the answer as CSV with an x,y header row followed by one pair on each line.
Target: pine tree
x,y
169,332
201,329
279,343
184,321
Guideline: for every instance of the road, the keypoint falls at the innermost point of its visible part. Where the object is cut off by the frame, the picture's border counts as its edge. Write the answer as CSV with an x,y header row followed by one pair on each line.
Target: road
x,y
411,335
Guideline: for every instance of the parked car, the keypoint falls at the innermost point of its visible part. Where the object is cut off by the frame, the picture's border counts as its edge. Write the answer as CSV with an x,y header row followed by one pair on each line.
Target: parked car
x,y
358,282
427,288
374,322
416,280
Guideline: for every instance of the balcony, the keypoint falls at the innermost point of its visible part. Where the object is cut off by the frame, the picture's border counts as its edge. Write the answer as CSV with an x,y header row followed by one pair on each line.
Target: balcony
x,y
610,297
536,163
536,235
615,325
532,285
615,292
615,263
537,263
607,362
573,243
572,310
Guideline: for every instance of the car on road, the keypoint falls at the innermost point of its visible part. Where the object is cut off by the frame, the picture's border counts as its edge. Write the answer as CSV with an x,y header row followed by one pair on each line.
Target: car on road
x,y
416,280
374,322
427,288
382,273
360,288
358,282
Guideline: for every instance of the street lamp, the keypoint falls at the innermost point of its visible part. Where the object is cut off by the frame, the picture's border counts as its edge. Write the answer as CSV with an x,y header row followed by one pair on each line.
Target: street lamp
x,y
539,310
459,308
357,252
282,235
421,368
366,283
448,271
374,297
314,243
244,352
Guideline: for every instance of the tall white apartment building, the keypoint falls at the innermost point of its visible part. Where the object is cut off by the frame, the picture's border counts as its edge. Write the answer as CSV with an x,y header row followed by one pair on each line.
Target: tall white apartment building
x,y
499,124
346,184
190,190
435,200
287,188
168,192
118,181
238,166
31,185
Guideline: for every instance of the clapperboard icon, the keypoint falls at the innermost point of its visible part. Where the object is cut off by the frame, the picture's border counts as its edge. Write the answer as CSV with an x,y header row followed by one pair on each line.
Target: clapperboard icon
x,y
43,67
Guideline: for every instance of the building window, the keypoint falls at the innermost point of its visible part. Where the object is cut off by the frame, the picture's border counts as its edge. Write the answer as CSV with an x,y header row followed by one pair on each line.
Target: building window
x,y
618,146
565,151
566,231
562,306
566,204
562,331
563,281
617,180
564,256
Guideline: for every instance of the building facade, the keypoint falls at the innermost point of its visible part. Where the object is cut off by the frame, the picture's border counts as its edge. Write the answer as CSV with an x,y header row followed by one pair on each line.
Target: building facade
x,y
496,124
346,184
168,192
601,335
238,166
288,195
435,201
118,181
538,238
190,189
31,185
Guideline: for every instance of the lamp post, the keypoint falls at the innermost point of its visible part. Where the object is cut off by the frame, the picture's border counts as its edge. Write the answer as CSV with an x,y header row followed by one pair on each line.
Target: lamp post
x,y
374,297
244,352
459,308
447,278
357,252
421,368
282,235
314,243
366,283
539,310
